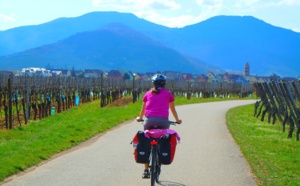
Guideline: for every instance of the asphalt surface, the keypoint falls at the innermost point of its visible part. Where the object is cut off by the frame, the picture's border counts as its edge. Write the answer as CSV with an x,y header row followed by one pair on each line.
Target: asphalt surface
x,y
207,155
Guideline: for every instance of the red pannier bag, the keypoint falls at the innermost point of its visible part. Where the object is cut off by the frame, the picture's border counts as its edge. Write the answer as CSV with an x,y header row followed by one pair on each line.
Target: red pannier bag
x,y
141,145
167,148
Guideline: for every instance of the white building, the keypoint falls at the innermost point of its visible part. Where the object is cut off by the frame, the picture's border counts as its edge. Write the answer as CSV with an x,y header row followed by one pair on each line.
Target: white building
x,y
32,71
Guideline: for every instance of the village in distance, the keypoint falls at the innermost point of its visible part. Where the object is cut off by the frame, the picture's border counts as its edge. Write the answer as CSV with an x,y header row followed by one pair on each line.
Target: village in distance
x,y
243,77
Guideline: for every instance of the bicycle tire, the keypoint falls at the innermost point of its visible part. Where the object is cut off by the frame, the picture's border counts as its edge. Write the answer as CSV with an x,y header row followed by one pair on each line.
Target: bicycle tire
x,y
158,166
157,173
153,166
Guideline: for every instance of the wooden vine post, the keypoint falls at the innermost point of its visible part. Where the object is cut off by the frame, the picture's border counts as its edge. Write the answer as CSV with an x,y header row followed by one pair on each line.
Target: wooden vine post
x,y
27,98
9,103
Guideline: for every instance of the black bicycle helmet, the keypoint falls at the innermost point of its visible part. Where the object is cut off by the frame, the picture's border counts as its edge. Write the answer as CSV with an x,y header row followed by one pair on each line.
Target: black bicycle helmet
x,y
159,80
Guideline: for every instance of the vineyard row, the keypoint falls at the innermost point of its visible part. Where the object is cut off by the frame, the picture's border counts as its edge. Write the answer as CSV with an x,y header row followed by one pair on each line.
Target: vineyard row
x,y
26,98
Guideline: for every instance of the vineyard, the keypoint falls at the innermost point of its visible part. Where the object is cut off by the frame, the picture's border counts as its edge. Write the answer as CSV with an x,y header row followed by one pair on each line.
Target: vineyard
x,y
24,98
280,100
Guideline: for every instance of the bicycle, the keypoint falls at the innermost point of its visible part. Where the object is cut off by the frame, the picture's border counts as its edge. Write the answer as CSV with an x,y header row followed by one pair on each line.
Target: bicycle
x,y
154,157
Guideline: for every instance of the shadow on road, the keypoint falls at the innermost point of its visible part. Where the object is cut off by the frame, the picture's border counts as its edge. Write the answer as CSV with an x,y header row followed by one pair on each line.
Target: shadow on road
x,y
169,183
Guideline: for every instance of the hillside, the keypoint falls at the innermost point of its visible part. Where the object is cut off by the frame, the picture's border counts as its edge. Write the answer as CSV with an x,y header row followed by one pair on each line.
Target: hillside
x,y
114,46
26,37
230,41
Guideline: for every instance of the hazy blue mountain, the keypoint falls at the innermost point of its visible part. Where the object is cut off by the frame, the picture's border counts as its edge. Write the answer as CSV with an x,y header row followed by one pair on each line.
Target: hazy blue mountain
x,y
114,46
26,37
231,41
227,42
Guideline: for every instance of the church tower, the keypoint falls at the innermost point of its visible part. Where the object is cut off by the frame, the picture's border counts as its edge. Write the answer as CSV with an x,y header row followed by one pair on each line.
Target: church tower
x,y
247,69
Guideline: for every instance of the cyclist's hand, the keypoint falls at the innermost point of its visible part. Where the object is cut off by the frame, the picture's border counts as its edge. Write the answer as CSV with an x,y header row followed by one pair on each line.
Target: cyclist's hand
x,y
138,119
179,121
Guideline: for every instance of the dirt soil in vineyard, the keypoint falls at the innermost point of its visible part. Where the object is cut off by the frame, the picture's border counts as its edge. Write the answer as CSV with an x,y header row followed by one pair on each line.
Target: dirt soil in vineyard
x,y
120,102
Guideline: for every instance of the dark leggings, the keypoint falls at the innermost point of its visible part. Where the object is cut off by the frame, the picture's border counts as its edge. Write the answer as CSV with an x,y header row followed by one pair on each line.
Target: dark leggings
x,y
156,122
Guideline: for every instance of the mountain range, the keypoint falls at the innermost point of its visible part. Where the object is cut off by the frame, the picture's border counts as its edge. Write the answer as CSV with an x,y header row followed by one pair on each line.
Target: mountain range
x,y
112,40
109,47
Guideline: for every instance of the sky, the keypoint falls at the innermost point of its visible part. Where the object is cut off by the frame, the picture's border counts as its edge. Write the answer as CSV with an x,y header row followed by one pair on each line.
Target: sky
x,y
171,13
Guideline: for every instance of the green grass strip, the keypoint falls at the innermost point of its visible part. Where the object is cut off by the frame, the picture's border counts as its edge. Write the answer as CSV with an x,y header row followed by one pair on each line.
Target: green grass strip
x,y
273,158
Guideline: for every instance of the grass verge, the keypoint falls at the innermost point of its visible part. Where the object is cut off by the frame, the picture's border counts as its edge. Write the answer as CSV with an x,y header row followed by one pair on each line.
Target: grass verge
x,y
273,158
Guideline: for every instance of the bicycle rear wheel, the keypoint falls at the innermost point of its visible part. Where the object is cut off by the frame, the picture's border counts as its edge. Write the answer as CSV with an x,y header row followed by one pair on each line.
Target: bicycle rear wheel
x,y
153,166
158,169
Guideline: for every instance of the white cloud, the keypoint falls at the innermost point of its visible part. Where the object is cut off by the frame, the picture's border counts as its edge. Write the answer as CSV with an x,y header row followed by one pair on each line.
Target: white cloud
x,y
99,2
137,5
113,5
287,3
207,9
209,2
150,10
295,30
159,4
157,11
266,3
174,21
149,15
183,20
6,18
247,4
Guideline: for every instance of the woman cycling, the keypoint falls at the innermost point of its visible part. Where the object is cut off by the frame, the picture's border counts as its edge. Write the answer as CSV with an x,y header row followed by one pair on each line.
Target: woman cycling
x,y
156,105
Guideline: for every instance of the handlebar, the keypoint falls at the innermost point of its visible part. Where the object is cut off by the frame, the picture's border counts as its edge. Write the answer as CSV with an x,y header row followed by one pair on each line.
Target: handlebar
x,y
173,123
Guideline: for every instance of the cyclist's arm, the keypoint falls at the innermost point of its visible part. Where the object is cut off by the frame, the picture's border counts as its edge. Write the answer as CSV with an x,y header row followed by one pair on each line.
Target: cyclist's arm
x,y
142,113
173,110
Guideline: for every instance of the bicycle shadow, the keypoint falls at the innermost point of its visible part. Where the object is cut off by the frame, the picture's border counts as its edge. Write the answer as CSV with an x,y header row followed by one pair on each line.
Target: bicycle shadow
x,y
169,183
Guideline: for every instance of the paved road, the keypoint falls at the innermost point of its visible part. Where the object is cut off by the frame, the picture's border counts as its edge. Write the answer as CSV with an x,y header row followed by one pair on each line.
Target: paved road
x,y
207,155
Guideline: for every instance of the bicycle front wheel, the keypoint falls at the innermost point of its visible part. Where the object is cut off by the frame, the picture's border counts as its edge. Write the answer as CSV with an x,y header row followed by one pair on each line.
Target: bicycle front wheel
x,y
153,166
